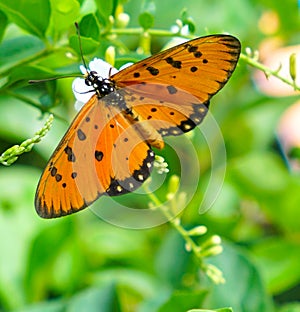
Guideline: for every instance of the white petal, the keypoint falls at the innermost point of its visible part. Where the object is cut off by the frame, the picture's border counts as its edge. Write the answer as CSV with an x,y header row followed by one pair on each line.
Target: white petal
x,y
175,29
81,90
82,69
102,68
78,105
185,30
126,65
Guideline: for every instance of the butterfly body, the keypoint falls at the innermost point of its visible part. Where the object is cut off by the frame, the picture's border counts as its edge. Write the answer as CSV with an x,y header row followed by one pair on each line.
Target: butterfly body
x,y
108,148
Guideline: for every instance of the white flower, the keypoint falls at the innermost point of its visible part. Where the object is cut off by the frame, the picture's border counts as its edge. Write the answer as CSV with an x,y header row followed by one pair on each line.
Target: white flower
x,y
83,92
182,30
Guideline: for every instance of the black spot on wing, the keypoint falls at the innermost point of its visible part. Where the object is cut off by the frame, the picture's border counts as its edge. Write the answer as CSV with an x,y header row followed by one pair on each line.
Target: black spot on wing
x,y
192,49
99,155
53,171
197,54
58,177
152,70
173,63
171,89
71,157
81,135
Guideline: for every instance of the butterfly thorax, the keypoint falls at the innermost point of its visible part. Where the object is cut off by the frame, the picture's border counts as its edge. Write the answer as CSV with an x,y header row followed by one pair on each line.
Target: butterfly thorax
x,y
105,89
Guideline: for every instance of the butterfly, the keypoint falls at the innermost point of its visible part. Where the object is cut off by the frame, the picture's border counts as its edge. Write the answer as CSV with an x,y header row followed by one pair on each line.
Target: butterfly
x,y
108,149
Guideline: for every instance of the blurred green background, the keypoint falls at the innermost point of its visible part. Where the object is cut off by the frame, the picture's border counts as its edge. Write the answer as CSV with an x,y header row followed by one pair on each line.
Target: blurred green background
x,y
81,263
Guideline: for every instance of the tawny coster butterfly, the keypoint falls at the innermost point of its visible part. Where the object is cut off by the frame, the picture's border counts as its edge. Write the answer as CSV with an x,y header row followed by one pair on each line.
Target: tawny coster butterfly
x,y
107,150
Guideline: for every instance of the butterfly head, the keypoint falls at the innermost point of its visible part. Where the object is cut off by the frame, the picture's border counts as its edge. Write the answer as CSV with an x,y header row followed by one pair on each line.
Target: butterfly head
x,y
102,86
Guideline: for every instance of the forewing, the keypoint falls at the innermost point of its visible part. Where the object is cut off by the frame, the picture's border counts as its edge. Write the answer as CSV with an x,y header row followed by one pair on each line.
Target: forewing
x,y
101,154
201,66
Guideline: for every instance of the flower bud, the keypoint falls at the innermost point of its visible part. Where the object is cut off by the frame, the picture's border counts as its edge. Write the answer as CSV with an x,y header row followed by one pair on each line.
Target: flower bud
x,y
198,230
122,20
293,66
110,55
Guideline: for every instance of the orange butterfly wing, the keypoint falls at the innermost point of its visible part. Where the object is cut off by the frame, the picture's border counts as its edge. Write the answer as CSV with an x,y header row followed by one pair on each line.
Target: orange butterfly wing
x,y
173,87
167,114
200,67
101,153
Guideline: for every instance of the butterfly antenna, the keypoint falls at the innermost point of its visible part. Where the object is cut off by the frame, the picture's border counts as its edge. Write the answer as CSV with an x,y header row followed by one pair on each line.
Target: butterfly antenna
x,y
80,47
67,76
52,78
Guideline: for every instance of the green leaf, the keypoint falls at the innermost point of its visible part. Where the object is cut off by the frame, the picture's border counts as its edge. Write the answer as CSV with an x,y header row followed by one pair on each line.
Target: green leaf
x,y
20,75
50,306
3,24
106,8
263,177
54,261
294,153
182,301
89,45
17,219
89,27
278,260
218,310
187,20
63,15
290,307
184,14
31,15
244,289
146,20
191,25
262,173
170,268
94,299
14,50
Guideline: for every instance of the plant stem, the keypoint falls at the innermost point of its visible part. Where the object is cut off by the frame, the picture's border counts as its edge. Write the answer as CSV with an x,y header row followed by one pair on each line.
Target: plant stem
x,y
152,32
174,221
268,72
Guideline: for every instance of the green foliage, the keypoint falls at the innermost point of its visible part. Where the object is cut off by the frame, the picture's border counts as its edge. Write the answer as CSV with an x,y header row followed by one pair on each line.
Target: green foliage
x,y
82,263
63,15
146,20
217,310
3,24
188,21
22,14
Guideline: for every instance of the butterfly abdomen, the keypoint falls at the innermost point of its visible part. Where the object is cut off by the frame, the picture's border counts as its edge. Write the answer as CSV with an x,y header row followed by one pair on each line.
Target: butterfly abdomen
x,y
145,129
